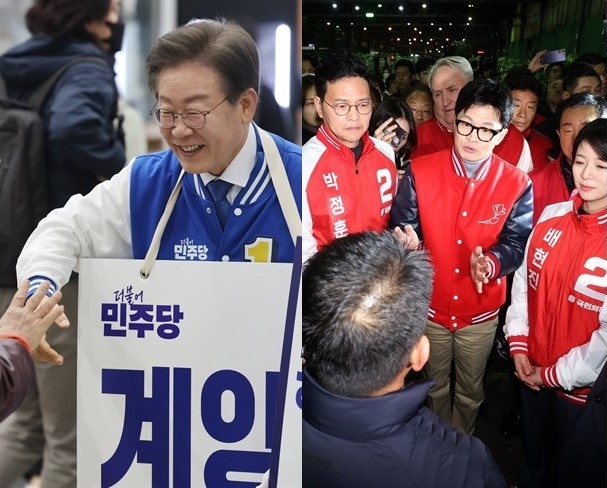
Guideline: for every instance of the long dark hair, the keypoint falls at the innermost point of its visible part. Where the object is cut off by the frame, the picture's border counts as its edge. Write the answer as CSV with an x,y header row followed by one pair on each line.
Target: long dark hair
x,y
65,18
396,108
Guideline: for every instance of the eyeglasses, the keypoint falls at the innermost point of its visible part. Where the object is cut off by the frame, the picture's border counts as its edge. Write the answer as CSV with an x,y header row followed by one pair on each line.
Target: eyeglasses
x,y
342,109
194,119
484,134
425,112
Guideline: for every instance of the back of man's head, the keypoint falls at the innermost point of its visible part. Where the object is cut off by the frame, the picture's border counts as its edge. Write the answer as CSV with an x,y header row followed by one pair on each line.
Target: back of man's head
x,y
338,65
365,305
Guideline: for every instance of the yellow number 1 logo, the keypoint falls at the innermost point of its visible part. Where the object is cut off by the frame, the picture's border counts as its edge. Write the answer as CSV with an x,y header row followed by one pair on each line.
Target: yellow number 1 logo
x,y
260,251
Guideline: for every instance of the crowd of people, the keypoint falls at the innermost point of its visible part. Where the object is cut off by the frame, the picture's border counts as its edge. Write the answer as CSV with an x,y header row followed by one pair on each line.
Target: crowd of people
x,y
445,209
503,187
227,182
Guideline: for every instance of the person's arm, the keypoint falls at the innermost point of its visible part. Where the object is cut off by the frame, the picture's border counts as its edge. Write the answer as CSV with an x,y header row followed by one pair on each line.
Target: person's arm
x,y
80,126
22,329
96,225
507,254
535,64
404,208
516,327
582,364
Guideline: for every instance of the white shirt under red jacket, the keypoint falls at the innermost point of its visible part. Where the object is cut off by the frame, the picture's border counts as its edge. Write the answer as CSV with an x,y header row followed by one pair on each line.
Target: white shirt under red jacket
x,y
341,195
558,315
452,214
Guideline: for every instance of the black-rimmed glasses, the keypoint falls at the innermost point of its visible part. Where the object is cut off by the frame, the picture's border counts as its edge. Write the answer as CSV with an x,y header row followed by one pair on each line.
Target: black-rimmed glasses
x,y
484,134
342,109
194,119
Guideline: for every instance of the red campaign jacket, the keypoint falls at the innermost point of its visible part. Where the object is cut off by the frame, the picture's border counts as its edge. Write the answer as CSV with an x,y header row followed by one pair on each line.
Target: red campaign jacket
x,y
453,214
539,145
548,187
433,137
341,196
558,315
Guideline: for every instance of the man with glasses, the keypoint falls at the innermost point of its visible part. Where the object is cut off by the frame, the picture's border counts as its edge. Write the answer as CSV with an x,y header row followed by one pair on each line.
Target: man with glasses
x,y
472,211
205,111
349,178
447,77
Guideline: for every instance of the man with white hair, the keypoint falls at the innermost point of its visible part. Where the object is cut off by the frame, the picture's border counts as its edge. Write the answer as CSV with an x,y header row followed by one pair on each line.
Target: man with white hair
x,y
447,77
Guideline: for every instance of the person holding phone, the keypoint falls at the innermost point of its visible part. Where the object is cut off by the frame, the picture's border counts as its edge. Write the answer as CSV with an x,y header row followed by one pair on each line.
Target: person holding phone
x,y
392,121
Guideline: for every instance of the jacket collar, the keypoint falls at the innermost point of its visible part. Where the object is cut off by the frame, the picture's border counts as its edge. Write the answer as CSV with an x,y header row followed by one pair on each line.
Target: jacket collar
x,y
460,169
325,136
360,419
596,222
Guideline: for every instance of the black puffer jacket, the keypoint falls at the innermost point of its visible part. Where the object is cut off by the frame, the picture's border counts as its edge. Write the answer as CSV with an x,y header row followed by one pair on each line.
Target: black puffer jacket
x,y
388,441
83,144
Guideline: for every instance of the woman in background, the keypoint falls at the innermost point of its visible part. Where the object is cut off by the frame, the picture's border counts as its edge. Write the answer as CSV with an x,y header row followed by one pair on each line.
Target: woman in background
x,y
389,115
310,119
419,99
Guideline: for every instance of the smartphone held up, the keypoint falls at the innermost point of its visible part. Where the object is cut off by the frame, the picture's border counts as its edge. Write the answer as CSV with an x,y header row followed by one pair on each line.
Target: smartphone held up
x,y
556,56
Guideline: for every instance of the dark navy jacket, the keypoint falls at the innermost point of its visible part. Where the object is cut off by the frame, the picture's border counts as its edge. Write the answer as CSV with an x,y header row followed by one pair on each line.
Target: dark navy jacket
x,y
583,458
387,441
79,113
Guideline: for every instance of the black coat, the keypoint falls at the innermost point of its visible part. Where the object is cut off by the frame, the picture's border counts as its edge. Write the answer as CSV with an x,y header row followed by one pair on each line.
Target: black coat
x,y
387,441
83,145
584,457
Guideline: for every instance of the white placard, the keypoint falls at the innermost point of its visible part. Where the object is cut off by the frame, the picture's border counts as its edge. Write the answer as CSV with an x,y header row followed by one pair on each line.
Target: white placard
x,y
177,374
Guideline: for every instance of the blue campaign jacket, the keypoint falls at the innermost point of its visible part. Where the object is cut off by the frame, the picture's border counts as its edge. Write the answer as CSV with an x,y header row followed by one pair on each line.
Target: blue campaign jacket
x,y
256,229
387,441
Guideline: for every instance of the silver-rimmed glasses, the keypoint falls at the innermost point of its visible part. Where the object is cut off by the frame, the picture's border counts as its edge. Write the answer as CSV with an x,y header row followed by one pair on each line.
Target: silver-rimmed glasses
x,y
194,119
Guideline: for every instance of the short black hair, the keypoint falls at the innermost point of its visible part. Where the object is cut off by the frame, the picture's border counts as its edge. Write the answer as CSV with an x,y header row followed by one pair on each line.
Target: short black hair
x,y
365,306
575,72
424,64
336,66
307,82
487,92
594,134
308,57
590,58
519,79
581,100
405,62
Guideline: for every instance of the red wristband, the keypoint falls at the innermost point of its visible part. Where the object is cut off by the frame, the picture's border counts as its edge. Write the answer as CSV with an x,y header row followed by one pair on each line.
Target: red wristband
x,y
17,338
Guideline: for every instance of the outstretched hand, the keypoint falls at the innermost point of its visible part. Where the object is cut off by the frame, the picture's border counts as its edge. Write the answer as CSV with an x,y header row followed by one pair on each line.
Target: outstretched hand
x,y
479,268
30,319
